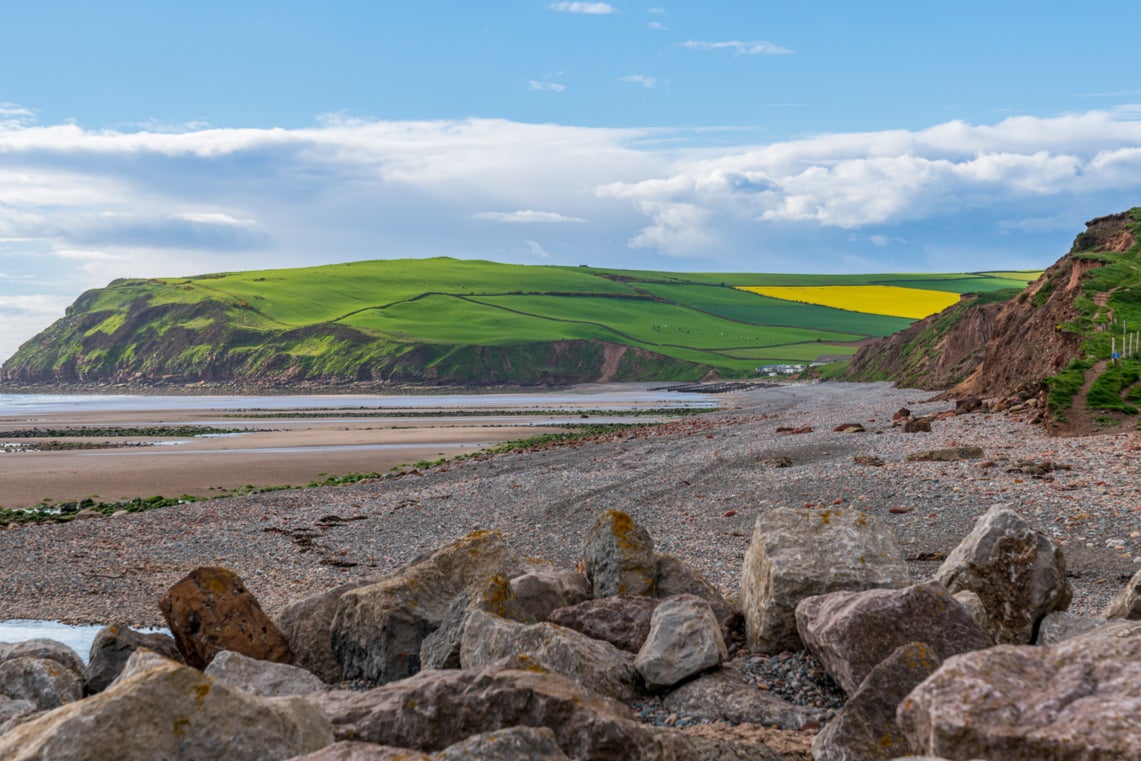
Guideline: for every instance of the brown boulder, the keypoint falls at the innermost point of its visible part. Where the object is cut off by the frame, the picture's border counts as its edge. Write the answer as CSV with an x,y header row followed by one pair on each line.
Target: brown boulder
x,y
622,621
852,632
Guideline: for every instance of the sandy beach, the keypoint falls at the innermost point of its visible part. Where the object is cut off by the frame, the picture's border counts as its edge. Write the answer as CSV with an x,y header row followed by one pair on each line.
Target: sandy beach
x,y
697,484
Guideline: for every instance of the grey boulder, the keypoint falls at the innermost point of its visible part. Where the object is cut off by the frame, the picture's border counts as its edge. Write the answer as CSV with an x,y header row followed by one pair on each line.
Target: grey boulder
x,y
1127,604
684,640
265,678
799,553
113,645
725,695
619,556
45,683
1018,572
1077,701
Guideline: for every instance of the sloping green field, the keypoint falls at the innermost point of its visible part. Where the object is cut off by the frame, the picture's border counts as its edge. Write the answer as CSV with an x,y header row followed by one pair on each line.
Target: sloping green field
x,y
340,321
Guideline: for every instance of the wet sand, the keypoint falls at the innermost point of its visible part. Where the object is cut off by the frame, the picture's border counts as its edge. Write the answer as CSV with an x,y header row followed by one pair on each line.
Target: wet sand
x,y
275,452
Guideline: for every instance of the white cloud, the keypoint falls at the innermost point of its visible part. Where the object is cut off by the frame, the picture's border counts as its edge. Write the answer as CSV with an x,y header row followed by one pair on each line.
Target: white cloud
x,y
525,216
657,26
80,207
641,79
755,47
594,9
543,85
534,248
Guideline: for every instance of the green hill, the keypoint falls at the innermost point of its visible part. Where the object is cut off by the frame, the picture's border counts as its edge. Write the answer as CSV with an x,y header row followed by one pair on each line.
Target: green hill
x,y
453,321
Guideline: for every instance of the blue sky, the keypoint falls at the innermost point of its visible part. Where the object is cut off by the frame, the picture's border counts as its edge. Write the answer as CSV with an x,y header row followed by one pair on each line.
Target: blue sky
x,y
141,139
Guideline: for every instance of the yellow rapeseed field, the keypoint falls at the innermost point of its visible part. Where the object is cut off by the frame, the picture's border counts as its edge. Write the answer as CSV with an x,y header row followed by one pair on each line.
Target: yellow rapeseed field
x,y
913,303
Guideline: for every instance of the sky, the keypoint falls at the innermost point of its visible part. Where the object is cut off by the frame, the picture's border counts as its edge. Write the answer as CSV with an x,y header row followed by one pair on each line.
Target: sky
x,y
143,139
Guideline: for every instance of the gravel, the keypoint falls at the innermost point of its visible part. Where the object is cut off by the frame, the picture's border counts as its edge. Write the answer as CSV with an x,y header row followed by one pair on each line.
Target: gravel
x,y
697,485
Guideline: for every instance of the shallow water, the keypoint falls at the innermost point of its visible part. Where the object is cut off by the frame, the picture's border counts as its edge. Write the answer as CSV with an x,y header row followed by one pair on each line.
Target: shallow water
x,y
634,397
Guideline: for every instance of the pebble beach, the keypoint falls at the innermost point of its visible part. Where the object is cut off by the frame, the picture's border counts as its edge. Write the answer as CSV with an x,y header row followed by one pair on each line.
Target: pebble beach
x,y
697,484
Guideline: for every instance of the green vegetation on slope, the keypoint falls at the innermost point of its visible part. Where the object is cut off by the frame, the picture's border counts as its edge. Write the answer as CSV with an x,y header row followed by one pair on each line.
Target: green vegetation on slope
x,y
451,321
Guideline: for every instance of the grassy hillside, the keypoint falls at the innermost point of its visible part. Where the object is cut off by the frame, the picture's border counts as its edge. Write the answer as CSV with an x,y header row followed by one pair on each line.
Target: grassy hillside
x,y
465,321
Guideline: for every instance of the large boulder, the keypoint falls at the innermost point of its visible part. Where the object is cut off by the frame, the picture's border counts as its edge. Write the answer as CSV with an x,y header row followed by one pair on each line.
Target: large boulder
x,y
45,683
210,610
684,640
677,577
441,648
866,728
726,695
308,628
265,678
113,645
1062,625
170,711
435,709
851,632
622,621
1117,628
799,553
596,665
1077,701
378,629
1018,572
619,556
1127,604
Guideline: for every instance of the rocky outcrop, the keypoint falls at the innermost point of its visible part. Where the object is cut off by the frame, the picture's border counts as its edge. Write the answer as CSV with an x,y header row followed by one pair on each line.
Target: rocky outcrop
x,y
1018,573
170,711
684,640
378,630
596,665
852,632
210,610
619,556
795,554
1077,701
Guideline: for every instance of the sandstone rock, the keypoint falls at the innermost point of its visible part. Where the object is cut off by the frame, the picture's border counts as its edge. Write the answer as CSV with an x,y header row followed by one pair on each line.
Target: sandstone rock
x,y
916,425
619,556
968,405
797,553
1017,572
170,711
308,628
348,750
441,648
1076,700
1061,625
596,665
511,744
112,647
952,454
684,640
541,592
435,709
725,695
142,660
973,604
378,629
44,648
1127,605
265,678
866,728
852,632
210,610
849,428
45,683
622,621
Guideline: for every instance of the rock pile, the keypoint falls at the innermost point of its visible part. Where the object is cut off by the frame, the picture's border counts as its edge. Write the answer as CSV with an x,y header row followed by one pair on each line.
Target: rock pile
x,y
472,652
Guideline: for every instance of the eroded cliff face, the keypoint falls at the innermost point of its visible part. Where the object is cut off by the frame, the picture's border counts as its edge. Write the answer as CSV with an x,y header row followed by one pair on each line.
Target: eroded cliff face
x,y
975,348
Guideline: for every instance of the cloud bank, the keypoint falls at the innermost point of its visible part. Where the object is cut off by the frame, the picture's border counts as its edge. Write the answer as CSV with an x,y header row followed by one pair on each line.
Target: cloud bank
x,y
80,207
